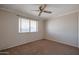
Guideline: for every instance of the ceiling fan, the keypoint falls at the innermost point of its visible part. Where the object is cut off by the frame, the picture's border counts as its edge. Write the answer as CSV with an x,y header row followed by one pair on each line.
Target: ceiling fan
x,y
42,9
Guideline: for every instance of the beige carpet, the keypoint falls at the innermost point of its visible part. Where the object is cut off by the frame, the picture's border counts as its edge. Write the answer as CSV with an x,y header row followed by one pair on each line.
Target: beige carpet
x,y
43,47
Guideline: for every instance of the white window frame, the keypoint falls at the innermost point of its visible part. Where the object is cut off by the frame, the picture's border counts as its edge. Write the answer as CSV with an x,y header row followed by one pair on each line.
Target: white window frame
x,y
29,25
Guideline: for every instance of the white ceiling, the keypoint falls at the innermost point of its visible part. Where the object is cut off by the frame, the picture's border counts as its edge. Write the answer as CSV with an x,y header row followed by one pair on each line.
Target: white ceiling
x,y
57,9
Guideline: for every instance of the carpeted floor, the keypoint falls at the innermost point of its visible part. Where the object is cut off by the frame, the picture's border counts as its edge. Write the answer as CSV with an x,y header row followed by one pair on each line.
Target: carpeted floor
x,y
43,47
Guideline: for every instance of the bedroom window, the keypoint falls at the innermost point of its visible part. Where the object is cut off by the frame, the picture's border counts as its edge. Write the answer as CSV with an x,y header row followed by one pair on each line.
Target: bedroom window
x,y
27,25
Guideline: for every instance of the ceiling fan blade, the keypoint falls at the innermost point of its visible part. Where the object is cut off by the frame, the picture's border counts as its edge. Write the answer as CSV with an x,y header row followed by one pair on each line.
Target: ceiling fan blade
x,y
42,7
47,11
39,14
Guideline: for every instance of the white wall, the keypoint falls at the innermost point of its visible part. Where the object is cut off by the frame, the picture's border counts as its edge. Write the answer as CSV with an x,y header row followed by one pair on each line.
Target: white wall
x,y
9,36
63,29
78,30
